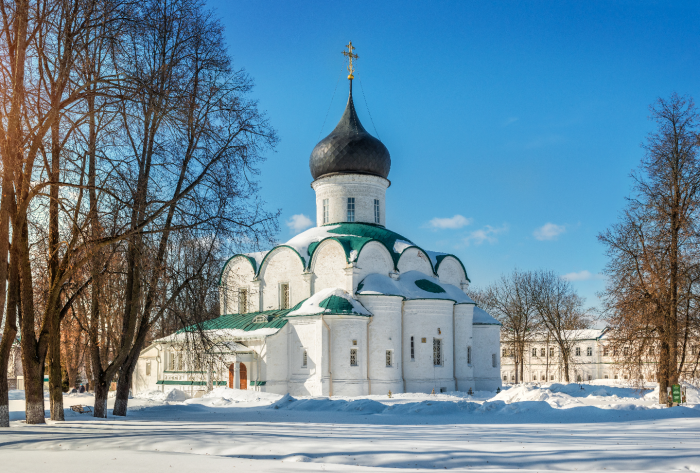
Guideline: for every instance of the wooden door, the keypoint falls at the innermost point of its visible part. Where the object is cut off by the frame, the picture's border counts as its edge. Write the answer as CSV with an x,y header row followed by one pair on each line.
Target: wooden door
x,y
244,377
231,375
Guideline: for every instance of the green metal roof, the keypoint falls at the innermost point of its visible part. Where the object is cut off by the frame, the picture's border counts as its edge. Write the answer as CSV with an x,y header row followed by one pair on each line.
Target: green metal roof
x,y
275,319
332,305
428,286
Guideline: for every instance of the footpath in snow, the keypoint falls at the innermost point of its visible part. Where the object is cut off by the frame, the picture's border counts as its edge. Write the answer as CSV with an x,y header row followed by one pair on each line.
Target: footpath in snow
x,y
557,427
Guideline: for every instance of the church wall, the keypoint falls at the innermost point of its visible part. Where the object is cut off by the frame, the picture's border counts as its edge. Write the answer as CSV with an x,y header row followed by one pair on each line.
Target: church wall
x,y
384,334
413,259
348,380
451,272
305,334
238,274
141,381
374,259
464,343
328,266
282,266
422,319
486,346
337,188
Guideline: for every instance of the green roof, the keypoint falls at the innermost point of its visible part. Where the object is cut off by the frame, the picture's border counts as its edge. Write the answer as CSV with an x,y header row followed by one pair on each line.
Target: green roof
x,y
275,319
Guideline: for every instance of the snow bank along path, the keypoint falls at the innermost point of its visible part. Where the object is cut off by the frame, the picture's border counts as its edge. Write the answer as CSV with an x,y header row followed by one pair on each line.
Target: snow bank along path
x,y
553,428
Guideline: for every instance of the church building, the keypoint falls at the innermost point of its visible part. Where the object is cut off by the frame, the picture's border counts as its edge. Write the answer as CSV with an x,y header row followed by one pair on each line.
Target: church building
x,y
346,308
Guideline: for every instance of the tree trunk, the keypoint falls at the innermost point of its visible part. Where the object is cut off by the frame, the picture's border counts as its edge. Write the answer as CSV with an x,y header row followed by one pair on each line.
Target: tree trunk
x,y
55,375
121,400
101,394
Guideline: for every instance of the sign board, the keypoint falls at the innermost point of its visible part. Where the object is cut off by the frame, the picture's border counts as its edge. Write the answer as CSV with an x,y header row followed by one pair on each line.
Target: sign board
x,y
676,391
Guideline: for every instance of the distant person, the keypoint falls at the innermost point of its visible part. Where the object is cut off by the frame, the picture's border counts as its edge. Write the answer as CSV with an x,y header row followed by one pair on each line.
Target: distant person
x,y
82,389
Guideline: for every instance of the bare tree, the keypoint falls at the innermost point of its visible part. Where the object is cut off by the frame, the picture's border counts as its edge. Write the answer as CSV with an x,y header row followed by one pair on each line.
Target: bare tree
x,y
561,312
652,295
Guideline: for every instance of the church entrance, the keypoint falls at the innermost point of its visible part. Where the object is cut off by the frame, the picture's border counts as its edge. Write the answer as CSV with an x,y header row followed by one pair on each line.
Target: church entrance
x,y
243,376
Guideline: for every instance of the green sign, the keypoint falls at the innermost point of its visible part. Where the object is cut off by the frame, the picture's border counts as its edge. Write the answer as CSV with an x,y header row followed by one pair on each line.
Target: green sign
x,y
676,391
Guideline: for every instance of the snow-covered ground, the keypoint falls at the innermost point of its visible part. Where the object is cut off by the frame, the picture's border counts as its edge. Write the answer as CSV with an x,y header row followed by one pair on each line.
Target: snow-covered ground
x,y
555,427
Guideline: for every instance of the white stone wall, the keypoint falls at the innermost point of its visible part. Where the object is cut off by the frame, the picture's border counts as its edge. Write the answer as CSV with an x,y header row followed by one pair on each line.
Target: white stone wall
x,y
413,259
274,365
337,188
140,381
384,335
328,266
451,272
486,345
282,265
306,333
238,274
428,319
373,259
348,380
464,368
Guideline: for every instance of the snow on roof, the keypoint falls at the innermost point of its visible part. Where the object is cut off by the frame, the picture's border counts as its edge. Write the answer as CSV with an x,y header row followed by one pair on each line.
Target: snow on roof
x,y
583,334
302,241
412,285
257,257
329,301
222,334
481,317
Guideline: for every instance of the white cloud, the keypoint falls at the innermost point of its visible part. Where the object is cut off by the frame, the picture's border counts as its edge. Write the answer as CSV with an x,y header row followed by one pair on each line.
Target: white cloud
x,y
488,234
582,276
549,231
458,221
299,222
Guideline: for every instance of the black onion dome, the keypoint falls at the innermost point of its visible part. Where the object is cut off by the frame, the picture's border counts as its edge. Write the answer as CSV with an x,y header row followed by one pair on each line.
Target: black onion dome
x,y
350,149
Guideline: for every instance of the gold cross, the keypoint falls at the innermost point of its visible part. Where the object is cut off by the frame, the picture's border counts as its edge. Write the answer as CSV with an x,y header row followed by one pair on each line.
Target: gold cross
x,y
348,54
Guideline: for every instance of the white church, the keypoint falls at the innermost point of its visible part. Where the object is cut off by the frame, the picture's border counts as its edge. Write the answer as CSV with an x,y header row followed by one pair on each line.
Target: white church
x,y
346,308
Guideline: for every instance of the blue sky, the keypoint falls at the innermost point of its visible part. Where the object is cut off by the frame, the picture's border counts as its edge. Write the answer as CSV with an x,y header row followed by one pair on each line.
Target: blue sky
x,y
523,119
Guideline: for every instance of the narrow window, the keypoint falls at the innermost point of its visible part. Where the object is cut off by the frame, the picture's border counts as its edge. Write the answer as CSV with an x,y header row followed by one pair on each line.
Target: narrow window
x,y
551,351
469,355
413,350
243,301
651,351
304,358
543,353
551,377
624,351
605,376
376,210
544,378
605,351
504,352
578,351
437,352
284,296
353,357
589,351
494,361
505,378
534,352
325,210
578,378
351,209
148,368
388,358
172,361
590,377
179,361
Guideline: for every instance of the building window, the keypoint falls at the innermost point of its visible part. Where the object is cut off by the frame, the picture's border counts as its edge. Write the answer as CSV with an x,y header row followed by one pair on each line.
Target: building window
x,y
325,210
284,295
578,351
578,378
148,368
171,366
354,342
605,376
376,210
624,351
605,351
543,353
551,377
353,357
651,351
504,352
505,378
551,352
544,378
388,359
304,358
534,352
243,301
494,360
469,355
413,350
179,361
437,352
590,377
589,351
351,209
